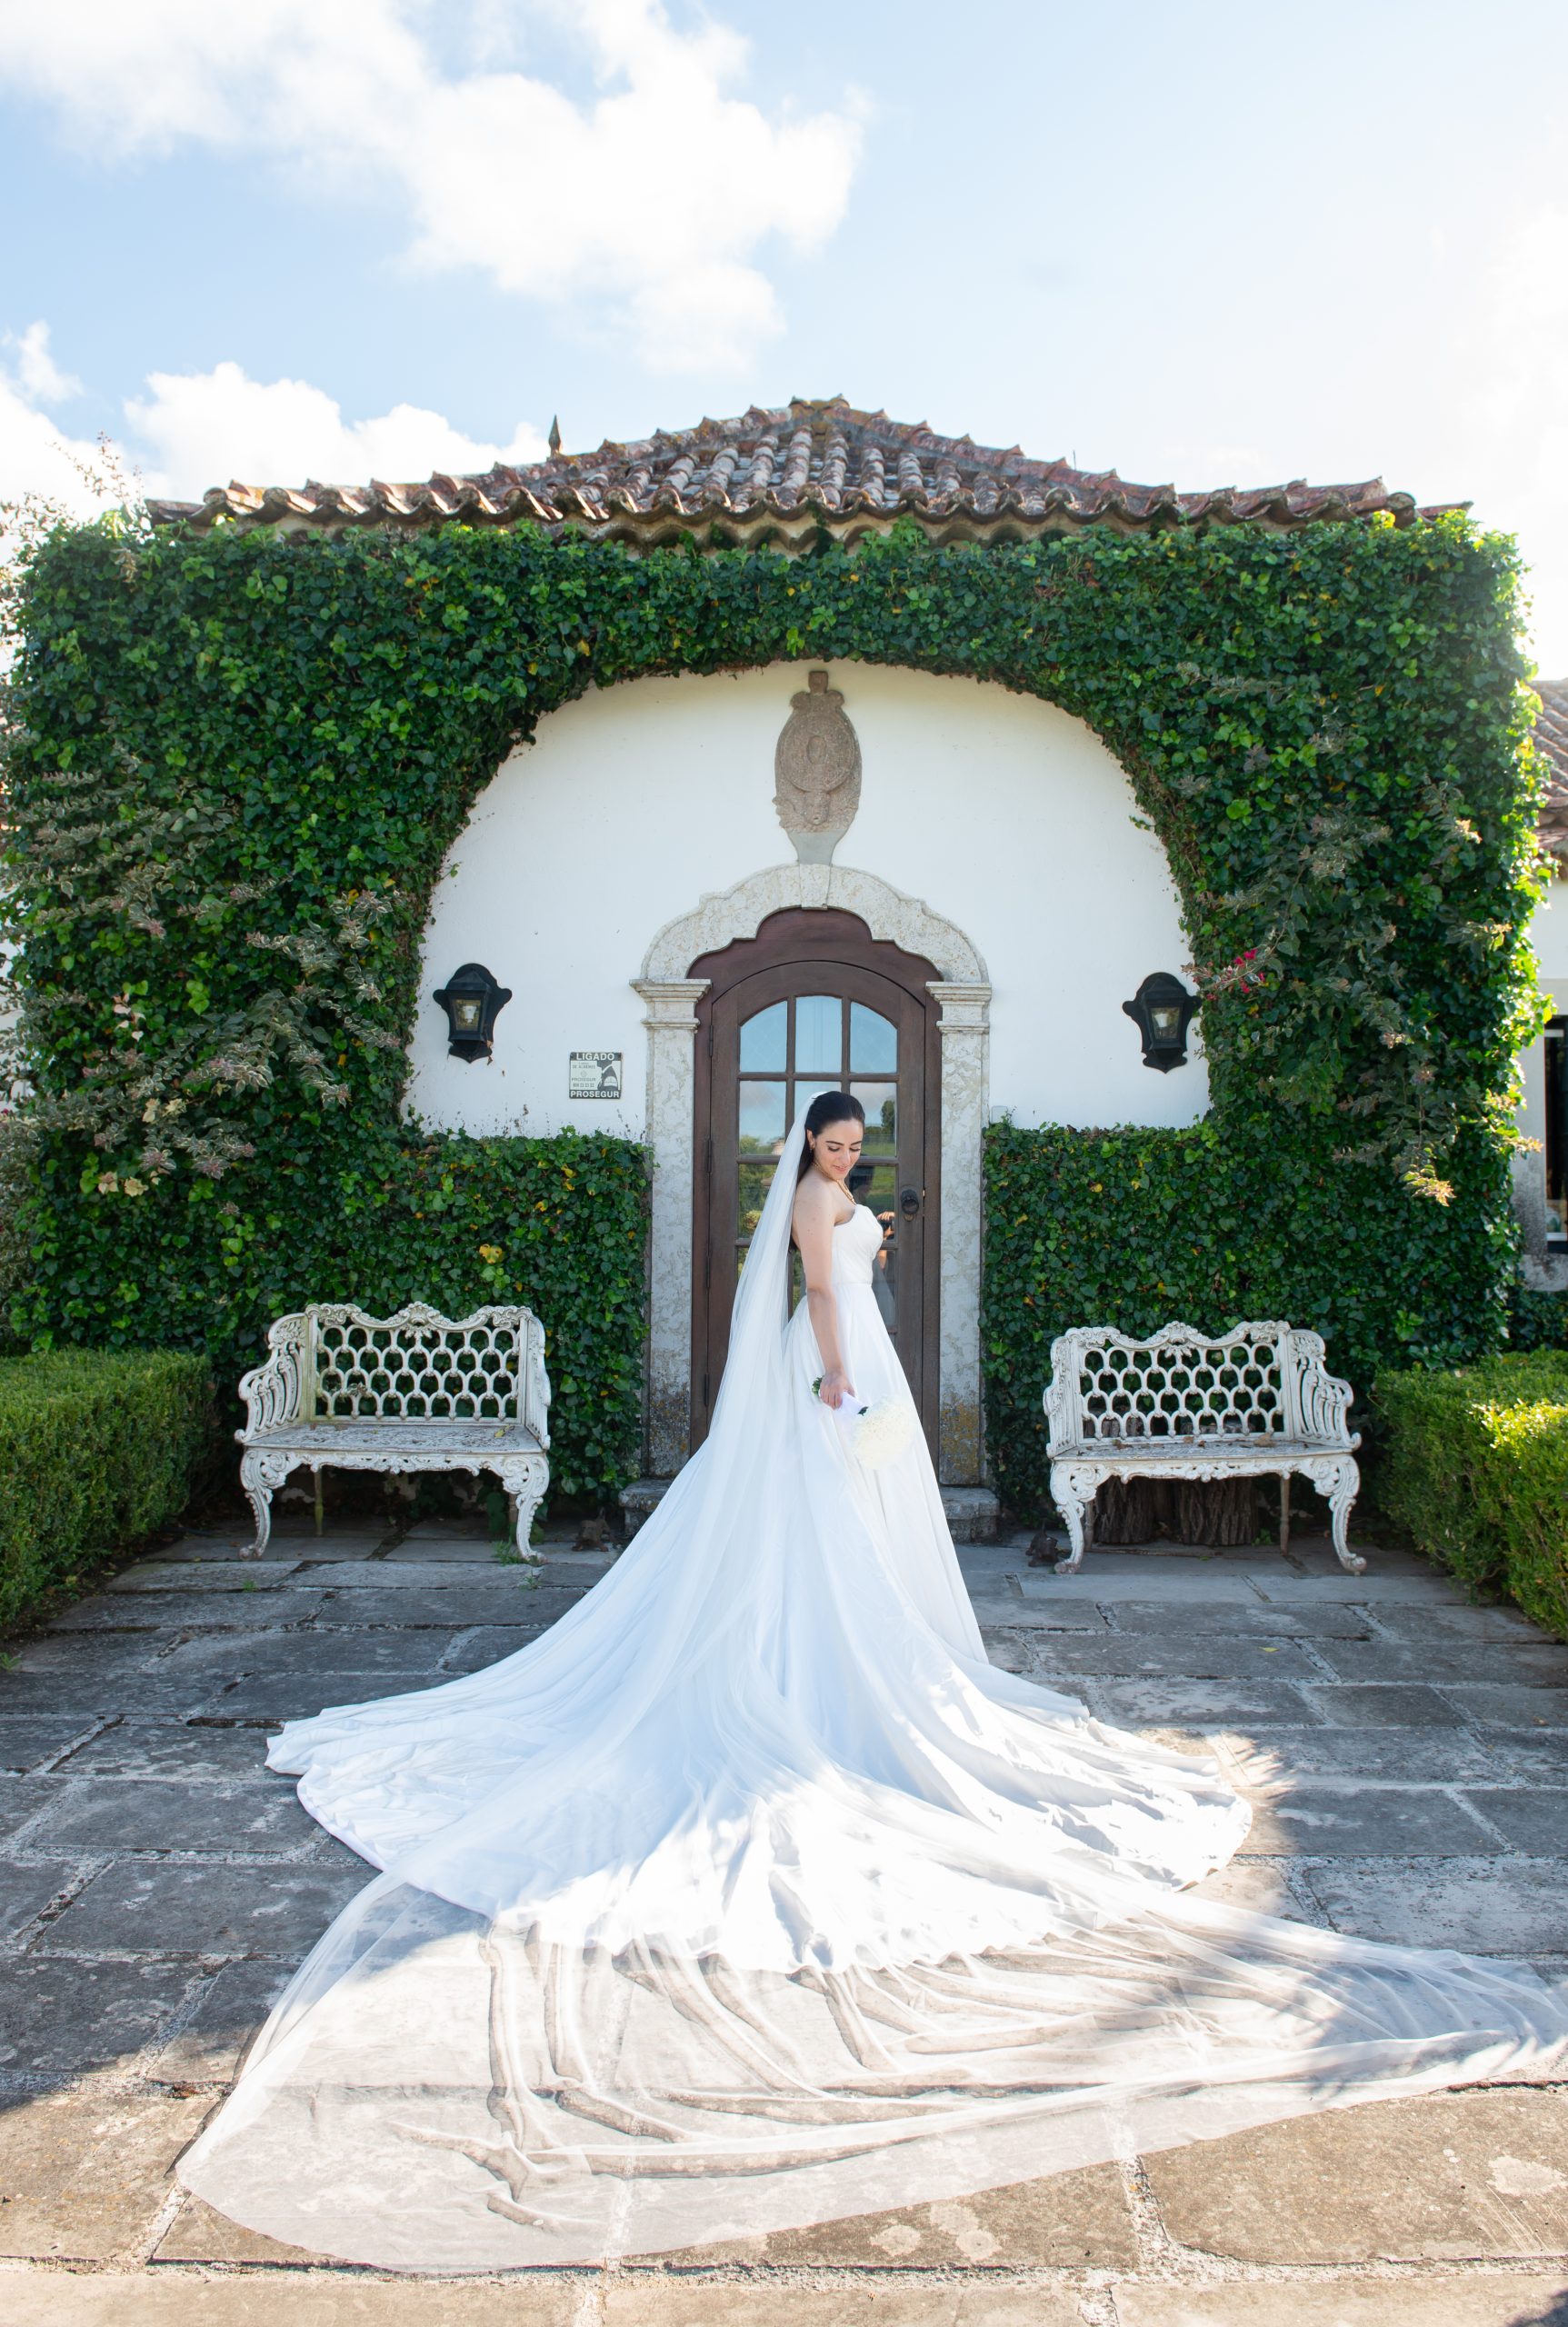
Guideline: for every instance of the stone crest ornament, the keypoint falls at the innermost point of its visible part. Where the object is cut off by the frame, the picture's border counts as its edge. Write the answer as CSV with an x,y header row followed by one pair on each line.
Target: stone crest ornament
x,y
816,772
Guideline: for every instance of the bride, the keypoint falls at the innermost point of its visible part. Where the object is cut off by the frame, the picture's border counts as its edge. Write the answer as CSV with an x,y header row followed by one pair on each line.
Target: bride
x,y
752,1895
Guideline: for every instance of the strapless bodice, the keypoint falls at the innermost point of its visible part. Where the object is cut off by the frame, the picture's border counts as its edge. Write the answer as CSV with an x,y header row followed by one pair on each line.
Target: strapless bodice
x,y
856,1243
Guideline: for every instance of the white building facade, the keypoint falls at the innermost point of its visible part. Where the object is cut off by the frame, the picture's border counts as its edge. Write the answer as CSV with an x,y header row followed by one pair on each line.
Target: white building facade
x,y
975,906
1541,1168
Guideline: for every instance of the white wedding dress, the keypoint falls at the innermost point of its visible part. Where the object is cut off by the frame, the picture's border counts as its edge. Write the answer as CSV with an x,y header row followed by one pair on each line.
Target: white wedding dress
x,y
752,1895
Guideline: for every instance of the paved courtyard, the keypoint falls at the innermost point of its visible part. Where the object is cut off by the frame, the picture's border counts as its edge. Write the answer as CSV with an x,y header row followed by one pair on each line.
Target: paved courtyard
x,y
1407,1756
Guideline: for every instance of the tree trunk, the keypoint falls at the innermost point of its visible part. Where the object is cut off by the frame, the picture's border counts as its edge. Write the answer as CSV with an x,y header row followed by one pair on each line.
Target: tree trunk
x,y
1216,1511
1126,1511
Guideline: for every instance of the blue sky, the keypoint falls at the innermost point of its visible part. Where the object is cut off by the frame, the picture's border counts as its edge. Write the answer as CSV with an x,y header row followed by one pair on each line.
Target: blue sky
x,y
1209,243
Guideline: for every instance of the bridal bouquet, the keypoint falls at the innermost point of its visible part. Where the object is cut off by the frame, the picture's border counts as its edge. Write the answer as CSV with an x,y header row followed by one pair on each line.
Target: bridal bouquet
x,y
878,1432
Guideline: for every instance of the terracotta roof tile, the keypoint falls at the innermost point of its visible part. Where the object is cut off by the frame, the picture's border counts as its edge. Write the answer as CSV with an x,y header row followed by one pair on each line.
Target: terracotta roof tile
x,y
1552,741
781,475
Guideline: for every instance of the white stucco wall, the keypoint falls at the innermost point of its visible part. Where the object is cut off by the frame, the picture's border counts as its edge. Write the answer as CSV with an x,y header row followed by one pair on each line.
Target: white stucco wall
x,y
1549,936
1008,818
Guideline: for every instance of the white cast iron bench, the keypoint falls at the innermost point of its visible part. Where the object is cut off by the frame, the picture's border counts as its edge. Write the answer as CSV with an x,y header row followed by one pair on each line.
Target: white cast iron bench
x,y
417,1392
1256,1401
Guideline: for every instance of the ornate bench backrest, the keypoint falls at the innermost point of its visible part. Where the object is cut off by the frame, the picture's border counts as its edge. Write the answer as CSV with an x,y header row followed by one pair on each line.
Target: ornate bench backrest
x,y
421,1365
1241,1388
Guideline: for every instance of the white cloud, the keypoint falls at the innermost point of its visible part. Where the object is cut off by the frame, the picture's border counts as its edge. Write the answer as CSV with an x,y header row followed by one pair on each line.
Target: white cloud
x,y
195,429
38,457
38,375
642,208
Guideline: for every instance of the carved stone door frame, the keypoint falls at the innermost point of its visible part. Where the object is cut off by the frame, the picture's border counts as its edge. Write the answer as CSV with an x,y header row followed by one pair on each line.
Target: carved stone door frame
x,y
671,995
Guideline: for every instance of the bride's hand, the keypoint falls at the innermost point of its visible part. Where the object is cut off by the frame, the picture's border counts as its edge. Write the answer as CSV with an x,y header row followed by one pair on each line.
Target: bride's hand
x,y
837,1386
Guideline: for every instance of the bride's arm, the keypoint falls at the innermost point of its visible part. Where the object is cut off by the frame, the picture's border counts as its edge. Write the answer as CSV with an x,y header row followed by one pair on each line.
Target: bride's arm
x,y
814,1211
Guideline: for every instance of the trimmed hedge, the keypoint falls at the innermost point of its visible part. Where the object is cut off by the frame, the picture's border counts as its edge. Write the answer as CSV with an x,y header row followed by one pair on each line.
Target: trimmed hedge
x,y
1537,1320
1476,1471
97,1449
378,1214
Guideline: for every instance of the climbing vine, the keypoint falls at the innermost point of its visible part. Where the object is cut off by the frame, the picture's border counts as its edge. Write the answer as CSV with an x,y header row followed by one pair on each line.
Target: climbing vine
x,y
234,763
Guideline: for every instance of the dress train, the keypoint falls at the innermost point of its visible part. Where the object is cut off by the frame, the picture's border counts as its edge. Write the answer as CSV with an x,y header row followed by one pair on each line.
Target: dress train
x,y
753,1895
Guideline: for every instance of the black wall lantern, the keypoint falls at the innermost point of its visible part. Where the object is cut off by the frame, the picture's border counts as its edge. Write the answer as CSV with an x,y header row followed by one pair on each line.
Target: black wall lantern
x,y
473,1001
1161,1010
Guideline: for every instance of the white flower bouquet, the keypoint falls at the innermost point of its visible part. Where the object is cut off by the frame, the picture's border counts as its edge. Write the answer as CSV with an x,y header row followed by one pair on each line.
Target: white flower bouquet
x,y
879,1431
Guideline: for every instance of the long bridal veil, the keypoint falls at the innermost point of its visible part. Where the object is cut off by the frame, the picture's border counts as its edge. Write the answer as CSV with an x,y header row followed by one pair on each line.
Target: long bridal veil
x,y
752,1895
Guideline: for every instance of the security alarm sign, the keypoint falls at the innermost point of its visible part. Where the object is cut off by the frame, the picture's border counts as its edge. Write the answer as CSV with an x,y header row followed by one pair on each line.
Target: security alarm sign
x,y
596,1074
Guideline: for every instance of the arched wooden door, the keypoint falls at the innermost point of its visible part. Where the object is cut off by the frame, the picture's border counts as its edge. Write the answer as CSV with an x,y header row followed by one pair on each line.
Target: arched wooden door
x,y
815,1003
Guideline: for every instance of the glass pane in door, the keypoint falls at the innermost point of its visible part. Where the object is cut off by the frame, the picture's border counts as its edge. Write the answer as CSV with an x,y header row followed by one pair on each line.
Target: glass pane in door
x,y
880,1100
763,1040
872,1042
819,1034
763,1111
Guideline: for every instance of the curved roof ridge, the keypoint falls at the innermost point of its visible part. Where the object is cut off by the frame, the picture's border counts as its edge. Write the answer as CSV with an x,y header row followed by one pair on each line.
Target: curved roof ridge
x,y
783,474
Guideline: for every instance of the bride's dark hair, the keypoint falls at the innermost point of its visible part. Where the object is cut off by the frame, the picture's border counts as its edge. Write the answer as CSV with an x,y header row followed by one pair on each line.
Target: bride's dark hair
x,y
828,1108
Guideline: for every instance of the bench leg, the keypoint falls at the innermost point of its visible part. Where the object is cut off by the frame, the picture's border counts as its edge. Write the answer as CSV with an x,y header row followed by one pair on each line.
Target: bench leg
x,y
1284,1511
1072,1489
259,1475
1337,1477
525,1479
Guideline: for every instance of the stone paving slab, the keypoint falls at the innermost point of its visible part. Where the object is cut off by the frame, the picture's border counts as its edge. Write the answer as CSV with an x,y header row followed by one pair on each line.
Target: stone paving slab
x,y
485,1647
994,1607
96,1691
65,2020
282,1551
1448,2174
1454,1620
252,1818
1082,2218
666,2302
1106,1586
1202,1704
26,1741
131,1612
1349,1822
1534,1819
166,1749
1132,1656
1370,1756
432,1552
1256,1618
1379,1705
86,2174
1528,1754
199,2233
183,2298
1482,2299
203,1575
299,1652
468,1600
1541,1663
1510,1706
217,1910
21,1799
1258,1886
230,2007
1483,1906
266,1700
1417,1586
24,1892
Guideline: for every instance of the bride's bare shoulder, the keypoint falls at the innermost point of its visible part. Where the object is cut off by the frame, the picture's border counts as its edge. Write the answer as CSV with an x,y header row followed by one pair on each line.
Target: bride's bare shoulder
x,y
815,1206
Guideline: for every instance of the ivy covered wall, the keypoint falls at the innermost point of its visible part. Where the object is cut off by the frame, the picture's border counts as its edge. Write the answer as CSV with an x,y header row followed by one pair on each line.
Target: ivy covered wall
x,y
240,759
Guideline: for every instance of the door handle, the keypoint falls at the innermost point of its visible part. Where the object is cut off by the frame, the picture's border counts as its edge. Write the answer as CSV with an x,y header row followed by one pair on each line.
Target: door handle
x,y
910,1201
